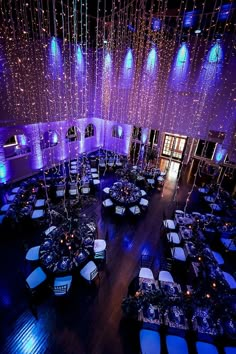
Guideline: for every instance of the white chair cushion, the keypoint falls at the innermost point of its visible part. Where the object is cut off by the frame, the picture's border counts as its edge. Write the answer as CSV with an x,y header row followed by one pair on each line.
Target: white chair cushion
x,y
94,170
102,164
87,270
219,259
229,350
169,224
5,207
176,345
36,278
143,202
160,179
39,213
95,175
135,210
107,203
11,197
50,229
96,182
178,254
15,190
150,181
146,273
179,212
208,348
106,190
230,280
143,192
228,243
60,281
164,275
196,213
173,237
120,210
149,342
33,254
60,193
73,191
40,203
85,190
99,245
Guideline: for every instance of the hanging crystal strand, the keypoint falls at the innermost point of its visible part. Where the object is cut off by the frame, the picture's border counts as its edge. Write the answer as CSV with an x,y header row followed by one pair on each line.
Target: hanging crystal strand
x,y
195,176
203,92
96,61
85,113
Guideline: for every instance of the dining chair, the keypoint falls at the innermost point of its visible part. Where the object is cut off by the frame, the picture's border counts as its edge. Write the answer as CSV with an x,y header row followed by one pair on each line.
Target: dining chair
x,y
203,347
169,225
150,342
35,278
229,244
173,237
49,230
176,344
106,190
179,212
89,272
107,203
229,350
164,275
143,202
37,214
145,267
62,285
229,280
33,254
135,210
218,258
99,245
40,203
119,210
143,193
178,254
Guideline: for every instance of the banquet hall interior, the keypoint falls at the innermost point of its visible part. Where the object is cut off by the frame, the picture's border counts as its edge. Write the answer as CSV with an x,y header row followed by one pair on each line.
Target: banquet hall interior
x,y
117,176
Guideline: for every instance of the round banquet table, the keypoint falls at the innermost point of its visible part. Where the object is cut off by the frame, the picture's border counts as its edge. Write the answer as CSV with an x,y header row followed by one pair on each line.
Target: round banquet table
x,y
68,247
125,193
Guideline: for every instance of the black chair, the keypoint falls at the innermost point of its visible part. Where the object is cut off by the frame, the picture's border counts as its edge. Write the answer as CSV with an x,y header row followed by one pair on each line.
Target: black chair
x,y
60,290
146,261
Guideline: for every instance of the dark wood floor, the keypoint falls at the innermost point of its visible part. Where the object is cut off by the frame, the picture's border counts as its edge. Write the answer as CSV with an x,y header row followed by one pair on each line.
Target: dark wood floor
x,y
90,320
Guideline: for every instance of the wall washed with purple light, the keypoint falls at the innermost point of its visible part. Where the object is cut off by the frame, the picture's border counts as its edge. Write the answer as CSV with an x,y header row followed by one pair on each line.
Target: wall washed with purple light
x,y
21,166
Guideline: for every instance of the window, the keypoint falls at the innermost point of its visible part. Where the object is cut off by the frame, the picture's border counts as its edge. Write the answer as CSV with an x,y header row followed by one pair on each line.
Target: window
x,y
117,131
89,131
205,149
153,137
174,146
73,134
11,141
48,139
137,133
16,145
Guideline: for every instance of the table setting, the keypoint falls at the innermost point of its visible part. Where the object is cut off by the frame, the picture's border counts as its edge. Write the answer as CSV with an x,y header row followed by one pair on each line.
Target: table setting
x,y
175,317
67,247
124,192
